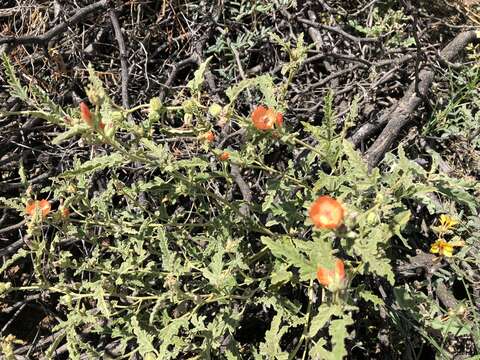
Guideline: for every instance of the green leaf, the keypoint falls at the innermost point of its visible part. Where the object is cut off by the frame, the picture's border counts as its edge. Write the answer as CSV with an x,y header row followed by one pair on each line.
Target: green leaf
x,y
4,287
16,87
454,326
460,196
95,90
22,174
268,89
101,302
280,275
20,254
63,136
96,164
196,83
41,114
270,349
144,339
170,262
338,332
168,335
401,219
325,312
369,296
13,204
283,248
157,151
318,351
370,248
358,166
234,91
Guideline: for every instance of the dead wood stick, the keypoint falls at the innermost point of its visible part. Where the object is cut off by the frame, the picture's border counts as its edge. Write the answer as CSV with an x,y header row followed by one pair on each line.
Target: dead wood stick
x,y
123,56
400,114
330,77
9,11
4,186
338,31
43,39
13,247
192,59
12,227
446,296
40,344
234,168
244,188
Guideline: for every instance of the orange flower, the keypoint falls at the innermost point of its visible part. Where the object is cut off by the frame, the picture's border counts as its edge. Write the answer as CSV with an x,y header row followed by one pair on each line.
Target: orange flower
x,y
266,119
326,212
332,279
224,156
86,114
42,205
208,136
64,212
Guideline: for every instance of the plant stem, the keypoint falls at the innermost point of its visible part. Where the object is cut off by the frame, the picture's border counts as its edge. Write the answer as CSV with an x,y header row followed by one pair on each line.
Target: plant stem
x,y
304,144
306,327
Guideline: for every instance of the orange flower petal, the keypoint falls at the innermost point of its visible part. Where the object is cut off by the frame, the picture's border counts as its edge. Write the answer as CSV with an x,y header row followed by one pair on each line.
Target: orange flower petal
x,y
340,269
326,212
265,119
42,205
279,119
325,276
224,156
332,278
86,114
259,113
65,212
208,136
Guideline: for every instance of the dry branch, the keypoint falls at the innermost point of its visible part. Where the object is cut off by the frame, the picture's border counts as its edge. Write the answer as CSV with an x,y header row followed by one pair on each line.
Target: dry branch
x,y
244,188
338,31
400,114
79,15
123,56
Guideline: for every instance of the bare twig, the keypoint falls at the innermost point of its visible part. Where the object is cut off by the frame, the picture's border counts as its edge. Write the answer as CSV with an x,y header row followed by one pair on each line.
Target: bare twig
x,y
11,186
446,296
10,11
413,10
192,59
244,189
79,15
330,77
12,319
9,249
123,56
474,135
369,128
12,227
325,81
338,31
18,304
400,113
41,344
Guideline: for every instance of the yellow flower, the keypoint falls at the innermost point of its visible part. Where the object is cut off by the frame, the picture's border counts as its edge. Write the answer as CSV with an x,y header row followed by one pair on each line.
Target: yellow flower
x,y
447,222
444,248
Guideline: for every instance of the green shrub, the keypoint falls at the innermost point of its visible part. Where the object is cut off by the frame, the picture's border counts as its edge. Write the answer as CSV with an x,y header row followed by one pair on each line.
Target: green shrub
x,y
171,265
